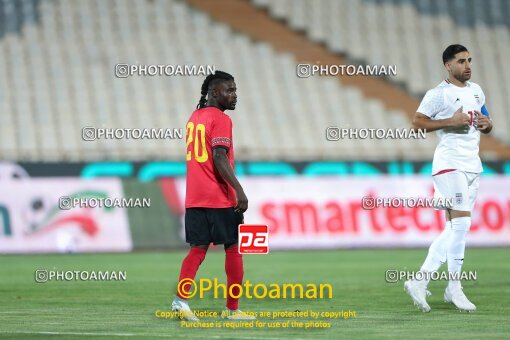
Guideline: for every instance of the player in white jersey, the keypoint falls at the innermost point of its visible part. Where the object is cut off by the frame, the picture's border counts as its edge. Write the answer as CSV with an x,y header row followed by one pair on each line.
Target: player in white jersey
x,y
455,109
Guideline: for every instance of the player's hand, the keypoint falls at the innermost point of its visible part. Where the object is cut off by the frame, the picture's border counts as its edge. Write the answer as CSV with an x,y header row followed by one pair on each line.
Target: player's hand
x,y
459,119
242,202
484,123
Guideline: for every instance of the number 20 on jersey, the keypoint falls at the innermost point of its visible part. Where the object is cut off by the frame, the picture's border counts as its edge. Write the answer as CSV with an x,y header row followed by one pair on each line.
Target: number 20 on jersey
x,y
196,137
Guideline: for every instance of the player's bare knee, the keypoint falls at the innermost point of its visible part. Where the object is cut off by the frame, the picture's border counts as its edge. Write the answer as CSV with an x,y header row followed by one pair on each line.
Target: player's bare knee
x,y
459,213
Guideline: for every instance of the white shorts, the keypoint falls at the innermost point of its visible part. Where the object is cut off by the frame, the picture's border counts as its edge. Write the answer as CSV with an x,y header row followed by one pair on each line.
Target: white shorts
x,y
458,187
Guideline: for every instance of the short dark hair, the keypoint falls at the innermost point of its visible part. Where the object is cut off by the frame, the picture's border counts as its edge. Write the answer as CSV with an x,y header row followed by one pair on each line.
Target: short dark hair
x,y
209,82
451,51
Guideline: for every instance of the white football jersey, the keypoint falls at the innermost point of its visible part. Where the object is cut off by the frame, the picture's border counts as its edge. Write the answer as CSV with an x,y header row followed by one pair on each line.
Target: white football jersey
x,y
457,148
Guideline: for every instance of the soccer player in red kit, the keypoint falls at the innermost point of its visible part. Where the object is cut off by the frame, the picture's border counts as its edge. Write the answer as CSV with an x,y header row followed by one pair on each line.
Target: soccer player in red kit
x,y
215,201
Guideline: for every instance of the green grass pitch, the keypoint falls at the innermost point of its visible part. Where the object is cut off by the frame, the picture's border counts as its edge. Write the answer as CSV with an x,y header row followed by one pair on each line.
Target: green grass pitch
x,y
127,309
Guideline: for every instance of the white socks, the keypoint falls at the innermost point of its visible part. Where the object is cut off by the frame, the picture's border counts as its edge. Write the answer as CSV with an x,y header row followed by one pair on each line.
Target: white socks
x,y
448,246
456,247
437,251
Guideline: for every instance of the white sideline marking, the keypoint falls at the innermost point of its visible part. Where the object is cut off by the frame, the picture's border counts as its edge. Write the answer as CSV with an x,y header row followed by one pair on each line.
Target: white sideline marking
x,y
137,334
70,333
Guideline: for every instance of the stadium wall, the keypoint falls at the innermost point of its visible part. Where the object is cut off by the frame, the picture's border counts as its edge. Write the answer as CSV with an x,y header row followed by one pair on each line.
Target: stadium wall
x,y
302,212
148,171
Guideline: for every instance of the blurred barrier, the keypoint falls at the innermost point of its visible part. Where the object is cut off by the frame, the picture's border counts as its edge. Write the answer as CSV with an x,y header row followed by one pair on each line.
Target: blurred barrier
x,y
301,212
328,213
37,216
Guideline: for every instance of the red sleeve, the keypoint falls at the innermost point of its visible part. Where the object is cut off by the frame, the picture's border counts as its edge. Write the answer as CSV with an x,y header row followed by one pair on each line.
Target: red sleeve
x,y
221,132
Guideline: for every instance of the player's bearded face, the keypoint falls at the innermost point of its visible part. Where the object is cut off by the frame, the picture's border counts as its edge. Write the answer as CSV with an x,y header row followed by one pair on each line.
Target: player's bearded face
x,y
461,66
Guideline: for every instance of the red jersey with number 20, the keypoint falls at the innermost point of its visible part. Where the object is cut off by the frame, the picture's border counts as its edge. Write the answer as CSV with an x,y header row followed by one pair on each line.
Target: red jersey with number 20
x,y
207,128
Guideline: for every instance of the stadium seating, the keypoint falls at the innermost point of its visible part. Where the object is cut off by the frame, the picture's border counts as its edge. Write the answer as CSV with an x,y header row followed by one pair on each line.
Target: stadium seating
x,y
412,35
59,59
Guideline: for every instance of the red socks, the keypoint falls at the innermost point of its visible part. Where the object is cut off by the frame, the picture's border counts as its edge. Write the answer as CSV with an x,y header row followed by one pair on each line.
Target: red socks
x,y
190,266
235,272
233,268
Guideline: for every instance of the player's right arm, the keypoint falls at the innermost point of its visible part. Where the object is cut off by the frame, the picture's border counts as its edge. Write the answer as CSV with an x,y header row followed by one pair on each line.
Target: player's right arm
x,y
424,122
222,164
433,103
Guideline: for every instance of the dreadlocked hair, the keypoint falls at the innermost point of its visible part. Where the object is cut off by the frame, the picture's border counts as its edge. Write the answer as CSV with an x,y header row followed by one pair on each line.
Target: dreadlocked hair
x,y
210,80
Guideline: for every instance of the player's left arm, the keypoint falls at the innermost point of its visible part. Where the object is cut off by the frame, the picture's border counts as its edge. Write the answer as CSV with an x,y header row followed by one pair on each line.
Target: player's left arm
x,y
484,121
221,141
222,165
